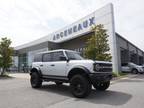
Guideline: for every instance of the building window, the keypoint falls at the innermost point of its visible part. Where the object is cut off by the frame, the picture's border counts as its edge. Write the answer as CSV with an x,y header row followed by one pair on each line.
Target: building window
x,y
38,58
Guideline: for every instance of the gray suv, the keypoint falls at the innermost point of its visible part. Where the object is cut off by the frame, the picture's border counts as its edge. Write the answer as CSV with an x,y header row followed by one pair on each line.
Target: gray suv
x,y
132,68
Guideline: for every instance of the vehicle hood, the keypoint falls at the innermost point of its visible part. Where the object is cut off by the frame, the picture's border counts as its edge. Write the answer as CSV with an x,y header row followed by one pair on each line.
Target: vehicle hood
x,y
92,61
83,61
140,66
103,62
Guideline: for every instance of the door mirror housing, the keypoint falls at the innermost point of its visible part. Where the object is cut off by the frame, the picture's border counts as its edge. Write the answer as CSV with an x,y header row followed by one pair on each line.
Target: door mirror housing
x,y
63,58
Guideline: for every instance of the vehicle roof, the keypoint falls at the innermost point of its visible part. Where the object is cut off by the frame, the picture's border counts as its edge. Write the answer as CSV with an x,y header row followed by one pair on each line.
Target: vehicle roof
x,y
56,51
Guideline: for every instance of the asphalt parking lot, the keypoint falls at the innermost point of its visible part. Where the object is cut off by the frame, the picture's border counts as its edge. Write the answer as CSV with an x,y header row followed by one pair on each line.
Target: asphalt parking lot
x,y
17,93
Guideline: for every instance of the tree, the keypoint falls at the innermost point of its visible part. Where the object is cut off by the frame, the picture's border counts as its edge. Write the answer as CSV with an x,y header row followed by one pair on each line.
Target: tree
x,y
6,53
97,45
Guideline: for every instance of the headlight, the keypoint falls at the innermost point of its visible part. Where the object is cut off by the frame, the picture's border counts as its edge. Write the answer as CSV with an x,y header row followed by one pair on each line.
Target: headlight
x,y
96,67
140,69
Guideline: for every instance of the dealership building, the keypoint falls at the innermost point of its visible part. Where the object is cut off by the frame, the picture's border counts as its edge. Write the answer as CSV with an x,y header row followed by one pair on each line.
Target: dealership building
x,y
75,36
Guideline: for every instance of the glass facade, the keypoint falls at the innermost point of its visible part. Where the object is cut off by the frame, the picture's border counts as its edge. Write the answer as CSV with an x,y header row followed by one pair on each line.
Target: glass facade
x,y
23,61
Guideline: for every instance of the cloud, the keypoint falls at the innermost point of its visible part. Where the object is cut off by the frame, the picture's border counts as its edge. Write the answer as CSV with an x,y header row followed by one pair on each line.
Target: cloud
x,y
27,20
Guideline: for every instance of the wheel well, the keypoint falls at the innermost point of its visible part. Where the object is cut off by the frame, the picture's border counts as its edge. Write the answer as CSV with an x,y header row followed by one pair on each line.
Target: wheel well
x,y
34,70
134,69
77,71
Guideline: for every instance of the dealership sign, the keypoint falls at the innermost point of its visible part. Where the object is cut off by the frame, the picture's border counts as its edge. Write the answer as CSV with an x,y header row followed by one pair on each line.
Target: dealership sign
x,y
75,28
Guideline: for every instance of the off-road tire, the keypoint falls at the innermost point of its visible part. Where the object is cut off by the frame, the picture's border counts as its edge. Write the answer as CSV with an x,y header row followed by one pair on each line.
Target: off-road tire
x,y
36,81
135,71
80,86
102,86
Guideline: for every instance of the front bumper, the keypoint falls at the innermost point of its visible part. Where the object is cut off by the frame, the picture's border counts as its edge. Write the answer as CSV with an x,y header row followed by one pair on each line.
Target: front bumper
x,y
100,77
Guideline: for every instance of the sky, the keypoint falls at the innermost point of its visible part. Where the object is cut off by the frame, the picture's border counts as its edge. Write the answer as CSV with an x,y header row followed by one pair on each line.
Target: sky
x,y
26,20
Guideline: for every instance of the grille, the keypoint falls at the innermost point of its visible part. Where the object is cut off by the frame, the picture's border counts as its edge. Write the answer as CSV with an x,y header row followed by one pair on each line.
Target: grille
x,y
103,67
106,69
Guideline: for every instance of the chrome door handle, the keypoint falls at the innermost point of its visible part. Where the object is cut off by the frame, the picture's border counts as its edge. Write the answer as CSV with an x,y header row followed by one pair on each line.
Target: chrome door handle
x,y
52,65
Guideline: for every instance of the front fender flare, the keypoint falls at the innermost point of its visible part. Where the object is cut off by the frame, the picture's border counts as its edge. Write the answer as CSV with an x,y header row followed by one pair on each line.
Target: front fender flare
x,y
74,70
35,69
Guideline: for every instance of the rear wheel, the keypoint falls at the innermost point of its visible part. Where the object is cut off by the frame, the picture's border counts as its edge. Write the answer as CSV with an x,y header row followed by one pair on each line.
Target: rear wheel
x,y
35,80
80,86
102,86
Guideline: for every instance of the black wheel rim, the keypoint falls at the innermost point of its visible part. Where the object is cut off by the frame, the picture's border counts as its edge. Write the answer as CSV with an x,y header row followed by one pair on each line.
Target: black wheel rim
x,y
101,84
135,71
78,87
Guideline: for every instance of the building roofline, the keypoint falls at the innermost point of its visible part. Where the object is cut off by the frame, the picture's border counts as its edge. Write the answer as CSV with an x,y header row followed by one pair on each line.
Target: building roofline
x,y
128,41
48,37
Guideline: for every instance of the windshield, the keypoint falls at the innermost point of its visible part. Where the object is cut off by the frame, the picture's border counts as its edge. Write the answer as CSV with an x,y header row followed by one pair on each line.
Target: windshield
x,y
132,64
73,55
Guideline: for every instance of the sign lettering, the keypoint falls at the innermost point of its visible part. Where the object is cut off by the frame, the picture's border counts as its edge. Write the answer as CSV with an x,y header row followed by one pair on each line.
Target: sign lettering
x,y
85,24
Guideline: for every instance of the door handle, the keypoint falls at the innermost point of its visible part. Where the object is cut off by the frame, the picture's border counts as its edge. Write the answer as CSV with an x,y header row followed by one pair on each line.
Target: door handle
x,y
41,65
52,65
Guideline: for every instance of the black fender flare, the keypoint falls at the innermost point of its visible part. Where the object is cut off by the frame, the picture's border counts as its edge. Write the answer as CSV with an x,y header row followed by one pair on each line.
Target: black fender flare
x,y
74,69
36,69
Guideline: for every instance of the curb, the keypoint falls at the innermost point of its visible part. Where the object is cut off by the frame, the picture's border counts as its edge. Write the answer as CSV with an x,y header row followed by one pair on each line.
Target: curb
x,y
115,80
20,75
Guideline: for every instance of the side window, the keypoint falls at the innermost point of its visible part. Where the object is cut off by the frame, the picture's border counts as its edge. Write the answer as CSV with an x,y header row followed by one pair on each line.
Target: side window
x,y
38,58
56,56
47,57
124,64
70,55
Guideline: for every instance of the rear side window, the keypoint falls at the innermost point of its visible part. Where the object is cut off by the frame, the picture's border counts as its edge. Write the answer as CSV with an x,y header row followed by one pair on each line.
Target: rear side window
x,y
47,57
56,56
38,58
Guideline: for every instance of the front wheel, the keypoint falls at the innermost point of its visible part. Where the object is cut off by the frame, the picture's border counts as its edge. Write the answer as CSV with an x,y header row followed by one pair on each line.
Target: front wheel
x,y
35,80
102,86
80,86
135,71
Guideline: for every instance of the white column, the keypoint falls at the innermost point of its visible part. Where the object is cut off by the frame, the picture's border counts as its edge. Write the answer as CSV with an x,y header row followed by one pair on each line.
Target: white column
x,y
115,49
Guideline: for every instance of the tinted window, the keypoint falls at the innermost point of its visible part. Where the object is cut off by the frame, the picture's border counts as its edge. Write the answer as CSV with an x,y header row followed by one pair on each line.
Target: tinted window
x,y
73,56
56,56
47,57
38,58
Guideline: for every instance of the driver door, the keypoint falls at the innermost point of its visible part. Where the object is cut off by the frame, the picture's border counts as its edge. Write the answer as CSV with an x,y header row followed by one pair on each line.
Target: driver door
x,y
58,66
